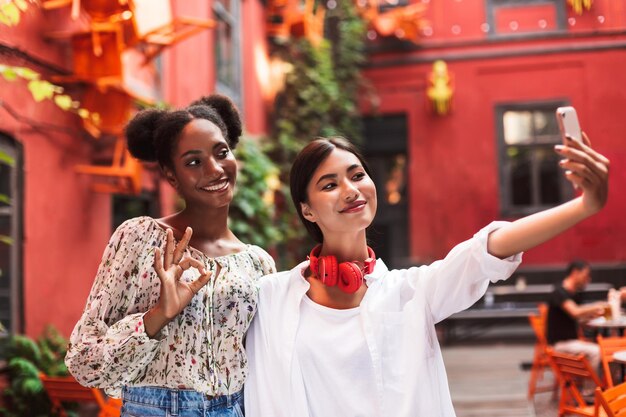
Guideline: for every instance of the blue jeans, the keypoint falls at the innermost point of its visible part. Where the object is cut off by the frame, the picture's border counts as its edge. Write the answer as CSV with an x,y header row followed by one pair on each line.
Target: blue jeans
x,y
165,402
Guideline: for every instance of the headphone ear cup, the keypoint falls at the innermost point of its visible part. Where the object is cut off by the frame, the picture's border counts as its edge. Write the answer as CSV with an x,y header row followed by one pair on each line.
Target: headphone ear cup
x,y
327,270
350,277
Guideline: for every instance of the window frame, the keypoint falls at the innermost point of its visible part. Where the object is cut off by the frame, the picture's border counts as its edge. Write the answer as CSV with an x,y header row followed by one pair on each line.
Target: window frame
x,y
15,210
507,208
233,19
492,5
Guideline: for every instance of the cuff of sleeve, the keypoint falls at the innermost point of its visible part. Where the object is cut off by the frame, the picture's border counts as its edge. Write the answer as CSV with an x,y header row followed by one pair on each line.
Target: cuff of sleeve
x,y
132,328
494,268
141,329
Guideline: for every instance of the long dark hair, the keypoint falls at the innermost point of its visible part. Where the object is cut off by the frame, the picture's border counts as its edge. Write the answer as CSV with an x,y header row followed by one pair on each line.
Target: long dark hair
x,y
303,168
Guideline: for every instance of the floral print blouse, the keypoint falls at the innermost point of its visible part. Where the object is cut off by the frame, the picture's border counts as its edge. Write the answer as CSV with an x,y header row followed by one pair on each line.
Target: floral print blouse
x,y
201,349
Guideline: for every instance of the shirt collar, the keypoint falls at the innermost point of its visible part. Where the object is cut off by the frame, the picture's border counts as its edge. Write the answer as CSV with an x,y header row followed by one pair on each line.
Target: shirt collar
x,y
380,270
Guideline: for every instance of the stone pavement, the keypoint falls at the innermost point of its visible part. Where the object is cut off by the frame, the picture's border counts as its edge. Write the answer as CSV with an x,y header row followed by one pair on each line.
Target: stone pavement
x,y
487,380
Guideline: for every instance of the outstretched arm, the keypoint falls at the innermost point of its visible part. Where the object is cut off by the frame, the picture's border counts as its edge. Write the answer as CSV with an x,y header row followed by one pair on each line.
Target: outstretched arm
x,y
588,171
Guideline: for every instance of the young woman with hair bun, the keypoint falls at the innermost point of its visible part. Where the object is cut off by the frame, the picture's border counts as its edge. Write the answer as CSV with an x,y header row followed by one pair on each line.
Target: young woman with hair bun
x,y
164,323
342,335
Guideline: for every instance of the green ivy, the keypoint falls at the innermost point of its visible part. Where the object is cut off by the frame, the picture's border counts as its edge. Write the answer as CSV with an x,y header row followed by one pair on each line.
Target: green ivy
x,y
319,99
11,10
251,215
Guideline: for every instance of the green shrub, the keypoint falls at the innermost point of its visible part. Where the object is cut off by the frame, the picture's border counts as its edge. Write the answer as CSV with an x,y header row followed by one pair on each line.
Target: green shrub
x,y
26,358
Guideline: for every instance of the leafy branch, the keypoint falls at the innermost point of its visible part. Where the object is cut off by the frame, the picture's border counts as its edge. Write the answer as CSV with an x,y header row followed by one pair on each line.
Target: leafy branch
x,y
10,11
41,89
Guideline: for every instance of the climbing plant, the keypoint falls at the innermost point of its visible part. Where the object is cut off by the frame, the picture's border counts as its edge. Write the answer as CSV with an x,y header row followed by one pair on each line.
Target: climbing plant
x,y
251,215
11,11
40,89
319,99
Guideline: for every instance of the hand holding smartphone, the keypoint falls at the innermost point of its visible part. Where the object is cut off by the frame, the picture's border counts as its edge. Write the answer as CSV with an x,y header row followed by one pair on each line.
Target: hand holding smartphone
x,y
568,123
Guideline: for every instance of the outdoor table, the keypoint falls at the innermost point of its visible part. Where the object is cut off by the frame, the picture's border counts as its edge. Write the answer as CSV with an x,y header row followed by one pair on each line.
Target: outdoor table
x,y
607,326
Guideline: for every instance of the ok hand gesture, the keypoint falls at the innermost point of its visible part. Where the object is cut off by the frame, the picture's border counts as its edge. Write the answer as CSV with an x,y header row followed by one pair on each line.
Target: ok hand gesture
x,y
175,294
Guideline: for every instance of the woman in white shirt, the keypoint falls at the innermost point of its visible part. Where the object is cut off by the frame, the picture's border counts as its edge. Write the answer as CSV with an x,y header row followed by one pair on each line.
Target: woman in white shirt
x,y
340,334
166,337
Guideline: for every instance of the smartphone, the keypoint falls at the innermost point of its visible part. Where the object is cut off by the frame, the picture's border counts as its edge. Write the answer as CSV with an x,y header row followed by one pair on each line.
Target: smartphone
x,y
568,123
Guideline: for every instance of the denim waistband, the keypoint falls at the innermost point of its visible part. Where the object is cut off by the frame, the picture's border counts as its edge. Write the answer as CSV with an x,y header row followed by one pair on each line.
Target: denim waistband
x,y
175,399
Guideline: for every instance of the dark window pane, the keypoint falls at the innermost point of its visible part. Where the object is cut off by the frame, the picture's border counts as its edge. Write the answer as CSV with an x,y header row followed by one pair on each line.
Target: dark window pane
x,y
5,184
6,277
224,53
127,207
549,179
5,226
5,264
521,177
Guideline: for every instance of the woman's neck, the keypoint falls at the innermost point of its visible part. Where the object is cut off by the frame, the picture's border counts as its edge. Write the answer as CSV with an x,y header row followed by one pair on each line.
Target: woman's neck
x,y
345,247
333,297
207,224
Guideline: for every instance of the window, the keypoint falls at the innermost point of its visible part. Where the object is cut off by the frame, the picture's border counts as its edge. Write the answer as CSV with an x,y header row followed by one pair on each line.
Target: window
x,y
530,179
10,236
523,17
228,49
129,206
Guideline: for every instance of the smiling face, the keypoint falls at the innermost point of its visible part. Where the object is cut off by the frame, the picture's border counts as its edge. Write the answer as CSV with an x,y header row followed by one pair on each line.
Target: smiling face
x,y
204,169
341,197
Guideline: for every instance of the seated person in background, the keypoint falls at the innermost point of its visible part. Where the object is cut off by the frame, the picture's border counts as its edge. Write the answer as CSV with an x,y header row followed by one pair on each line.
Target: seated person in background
x,y
565,311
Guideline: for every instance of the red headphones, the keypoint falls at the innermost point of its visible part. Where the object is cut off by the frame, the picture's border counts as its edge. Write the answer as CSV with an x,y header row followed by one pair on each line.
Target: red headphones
x,y
347,275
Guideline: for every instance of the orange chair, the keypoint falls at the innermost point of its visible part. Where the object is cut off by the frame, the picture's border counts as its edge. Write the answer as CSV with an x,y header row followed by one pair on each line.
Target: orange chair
x,y
608,346
541,362
572,371
611,402
64,389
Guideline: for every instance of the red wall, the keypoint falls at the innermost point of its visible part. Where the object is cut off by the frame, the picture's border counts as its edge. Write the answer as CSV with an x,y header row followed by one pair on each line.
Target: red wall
x,y
65,225
454,171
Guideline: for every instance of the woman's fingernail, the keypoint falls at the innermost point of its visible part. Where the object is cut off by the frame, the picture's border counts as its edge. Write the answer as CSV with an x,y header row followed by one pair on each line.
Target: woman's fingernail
x,y
559,148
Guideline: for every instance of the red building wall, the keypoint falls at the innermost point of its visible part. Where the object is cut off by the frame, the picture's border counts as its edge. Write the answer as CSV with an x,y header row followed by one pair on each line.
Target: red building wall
x,y
453,177
66,225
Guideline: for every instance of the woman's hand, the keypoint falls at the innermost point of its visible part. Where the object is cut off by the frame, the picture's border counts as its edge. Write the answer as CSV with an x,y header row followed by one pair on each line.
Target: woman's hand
x,y
587,170
175,294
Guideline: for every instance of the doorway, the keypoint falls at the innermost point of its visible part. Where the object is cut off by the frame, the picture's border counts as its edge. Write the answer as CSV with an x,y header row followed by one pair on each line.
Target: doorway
x,y
385,150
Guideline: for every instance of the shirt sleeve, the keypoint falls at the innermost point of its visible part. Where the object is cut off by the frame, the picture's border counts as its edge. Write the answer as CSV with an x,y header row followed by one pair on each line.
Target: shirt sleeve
x,y
456,282
267,264
559,296
109,346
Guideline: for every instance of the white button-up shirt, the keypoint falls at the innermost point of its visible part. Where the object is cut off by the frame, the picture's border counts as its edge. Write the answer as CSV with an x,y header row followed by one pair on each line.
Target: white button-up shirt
x,y
398,314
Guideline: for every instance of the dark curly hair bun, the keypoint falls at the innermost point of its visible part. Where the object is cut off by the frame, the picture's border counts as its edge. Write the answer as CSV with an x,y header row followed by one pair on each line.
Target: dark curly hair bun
x,y
227,110
140,134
